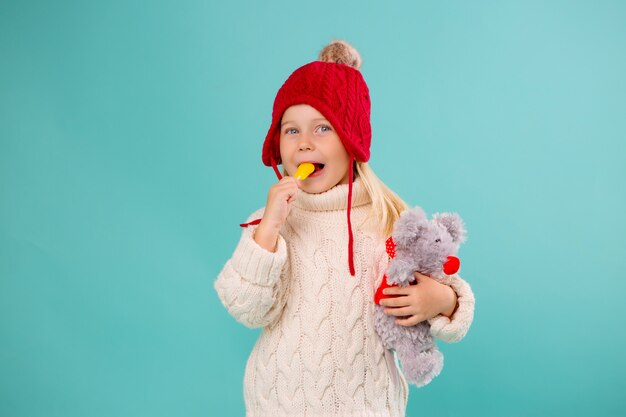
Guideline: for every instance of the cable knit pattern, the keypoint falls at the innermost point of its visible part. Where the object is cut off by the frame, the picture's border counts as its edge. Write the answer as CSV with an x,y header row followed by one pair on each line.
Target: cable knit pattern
x,y
455,328
319,354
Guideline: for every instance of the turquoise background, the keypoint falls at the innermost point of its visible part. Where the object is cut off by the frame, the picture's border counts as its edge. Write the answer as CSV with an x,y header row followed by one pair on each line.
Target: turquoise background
x,y
130,143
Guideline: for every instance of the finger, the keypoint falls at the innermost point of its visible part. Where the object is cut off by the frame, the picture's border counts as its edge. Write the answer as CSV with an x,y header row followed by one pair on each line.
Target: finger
x,y
288,187
295,184
399,311
292,195
288,180
397,290
283,189
396,301
410,321
292,182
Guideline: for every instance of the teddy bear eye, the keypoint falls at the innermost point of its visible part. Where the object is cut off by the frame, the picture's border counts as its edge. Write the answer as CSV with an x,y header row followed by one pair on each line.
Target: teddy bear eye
x,y
438,240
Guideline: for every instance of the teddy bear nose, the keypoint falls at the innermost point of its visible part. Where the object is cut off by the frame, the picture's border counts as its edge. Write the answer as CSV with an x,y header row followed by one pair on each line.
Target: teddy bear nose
x,y
452,265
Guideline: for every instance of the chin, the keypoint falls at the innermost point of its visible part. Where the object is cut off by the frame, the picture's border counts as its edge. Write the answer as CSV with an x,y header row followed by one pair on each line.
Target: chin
x,y
315,189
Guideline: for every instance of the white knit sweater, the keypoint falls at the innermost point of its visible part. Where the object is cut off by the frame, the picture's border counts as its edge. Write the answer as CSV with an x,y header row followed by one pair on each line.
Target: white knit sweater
x,y
319,354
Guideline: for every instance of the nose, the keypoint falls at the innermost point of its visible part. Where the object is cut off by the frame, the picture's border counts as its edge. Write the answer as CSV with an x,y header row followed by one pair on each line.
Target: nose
x,y
304,143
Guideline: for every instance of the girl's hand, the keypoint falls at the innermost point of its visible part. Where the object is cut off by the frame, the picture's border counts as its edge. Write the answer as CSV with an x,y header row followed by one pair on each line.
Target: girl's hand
x,y
279,199
420,302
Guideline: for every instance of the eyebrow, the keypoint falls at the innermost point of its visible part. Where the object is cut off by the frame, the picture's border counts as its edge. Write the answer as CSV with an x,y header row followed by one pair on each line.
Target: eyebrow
x,y
289,121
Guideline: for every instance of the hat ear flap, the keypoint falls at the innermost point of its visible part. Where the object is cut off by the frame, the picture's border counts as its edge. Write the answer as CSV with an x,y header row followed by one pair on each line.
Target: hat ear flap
x,y
409,226
453,223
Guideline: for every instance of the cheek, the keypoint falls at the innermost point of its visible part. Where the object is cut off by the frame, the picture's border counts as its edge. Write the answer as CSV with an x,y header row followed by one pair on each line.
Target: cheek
x,y
286,156
281,145
284,150
339,155
343,162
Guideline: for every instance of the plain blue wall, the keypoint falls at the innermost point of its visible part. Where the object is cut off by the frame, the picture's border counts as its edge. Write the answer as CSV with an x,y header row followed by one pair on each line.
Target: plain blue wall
x,y
131,135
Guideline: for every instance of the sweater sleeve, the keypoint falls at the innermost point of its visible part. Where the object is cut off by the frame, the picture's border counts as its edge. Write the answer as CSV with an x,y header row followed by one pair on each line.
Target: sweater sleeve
x,y
455,328
252,284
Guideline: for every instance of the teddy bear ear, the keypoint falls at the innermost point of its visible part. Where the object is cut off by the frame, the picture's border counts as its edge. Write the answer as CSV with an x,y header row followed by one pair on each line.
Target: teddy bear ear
x,y
409,226
418,213
453,223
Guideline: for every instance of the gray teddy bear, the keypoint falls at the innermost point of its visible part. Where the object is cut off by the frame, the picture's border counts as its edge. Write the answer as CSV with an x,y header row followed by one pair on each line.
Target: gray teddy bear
x,y
428,247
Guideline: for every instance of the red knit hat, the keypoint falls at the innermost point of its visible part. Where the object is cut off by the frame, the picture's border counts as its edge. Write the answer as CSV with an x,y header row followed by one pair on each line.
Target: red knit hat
x,y
335,87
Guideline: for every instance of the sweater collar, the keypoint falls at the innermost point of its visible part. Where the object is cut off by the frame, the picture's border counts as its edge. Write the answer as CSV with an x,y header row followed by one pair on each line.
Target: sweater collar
x,y
334,199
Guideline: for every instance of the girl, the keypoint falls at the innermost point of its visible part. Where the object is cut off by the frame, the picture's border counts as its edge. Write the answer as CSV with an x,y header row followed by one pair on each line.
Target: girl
x,y
319,354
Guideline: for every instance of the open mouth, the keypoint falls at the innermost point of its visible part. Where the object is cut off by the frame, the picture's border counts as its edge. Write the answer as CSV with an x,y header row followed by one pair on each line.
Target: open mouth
x,y
318,169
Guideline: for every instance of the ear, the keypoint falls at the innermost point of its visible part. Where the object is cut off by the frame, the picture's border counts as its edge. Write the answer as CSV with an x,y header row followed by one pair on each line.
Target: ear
x,y
409,226
453,223
418,213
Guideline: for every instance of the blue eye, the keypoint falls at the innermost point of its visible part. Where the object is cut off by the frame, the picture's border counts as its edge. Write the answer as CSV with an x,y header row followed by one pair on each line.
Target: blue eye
x,y
287,131
327,127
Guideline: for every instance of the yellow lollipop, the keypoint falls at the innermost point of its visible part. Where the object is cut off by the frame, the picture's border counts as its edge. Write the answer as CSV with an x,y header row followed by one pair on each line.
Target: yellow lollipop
x,y
304,170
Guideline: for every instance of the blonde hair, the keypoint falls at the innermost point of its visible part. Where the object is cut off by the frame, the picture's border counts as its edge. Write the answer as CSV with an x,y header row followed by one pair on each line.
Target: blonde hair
x,y
386,205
